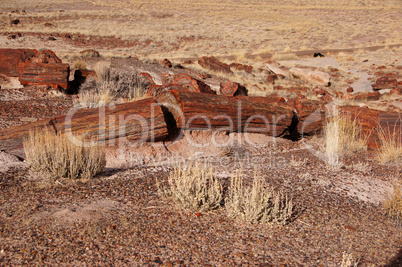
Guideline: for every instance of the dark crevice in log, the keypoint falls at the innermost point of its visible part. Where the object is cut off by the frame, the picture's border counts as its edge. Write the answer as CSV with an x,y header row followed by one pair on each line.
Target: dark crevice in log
x,y
173,131
292,132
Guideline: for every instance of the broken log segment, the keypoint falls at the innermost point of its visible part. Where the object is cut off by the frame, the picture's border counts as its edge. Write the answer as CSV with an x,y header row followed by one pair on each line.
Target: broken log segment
x,y
198,111
9,59
138,121
53,74
375,123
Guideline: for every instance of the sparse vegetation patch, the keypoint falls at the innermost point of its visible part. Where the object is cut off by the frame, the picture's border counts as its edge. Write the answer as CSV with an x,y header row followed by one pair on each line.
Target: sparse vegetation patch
x,y
194,187
60,158
257,204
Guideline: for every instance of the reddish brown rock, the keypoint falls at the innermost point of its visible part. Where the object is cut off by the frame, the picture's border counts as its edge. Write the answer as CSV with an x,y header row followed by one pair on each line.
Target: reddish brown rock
x,y
187,82
214,64
385,82
43,68
374,122
396,91
157,90
272,78
349,90
9,59
44,56
52,74
310,116
322,94
147,77
229,88
241,67
167,63
196,111
363,96
150,125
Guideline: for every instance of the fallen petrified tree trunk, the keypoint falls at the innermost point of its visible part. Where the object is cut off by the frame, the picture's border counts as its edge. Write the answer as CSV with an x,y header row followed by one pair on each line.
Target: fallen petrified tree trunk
x,y
138,121
376,123
197,111
9,59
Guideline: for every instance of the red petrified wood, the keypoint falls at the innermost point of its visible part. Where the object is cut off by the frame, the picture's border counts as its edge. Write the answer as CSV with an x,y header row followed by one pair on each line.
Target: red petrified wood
x,y
192,110
43,68
187,82
138,121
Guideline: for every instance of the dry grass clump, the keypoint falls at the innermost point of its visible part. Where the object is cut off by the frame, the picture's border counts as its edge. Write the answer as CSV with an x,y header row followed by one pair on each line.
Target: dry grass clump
x,y
391,144
342,135
393,206
194,187
59,157
109,85
348,260
257,204
79,65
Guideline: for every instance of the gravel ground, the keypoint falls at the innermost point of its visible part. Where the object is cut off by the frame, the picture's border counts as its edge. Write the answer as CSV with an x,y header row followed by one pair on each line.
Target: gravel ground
x,y
119,219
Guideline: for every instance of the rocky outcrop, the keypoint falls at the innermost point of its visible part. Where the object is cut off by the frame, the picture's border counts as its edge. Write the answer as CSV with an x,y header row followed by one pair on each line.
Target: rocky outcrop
x,y
212,63
187,82
229,88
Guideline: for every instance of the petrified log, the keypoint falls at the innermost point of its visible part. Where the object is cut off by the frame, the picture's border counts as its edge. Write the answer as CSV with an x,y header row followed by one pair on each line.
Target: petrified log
x,y
197,111
53,74
138,121
9,59
385,83
375,123
310,116
238,66
187,82
229,88
214,64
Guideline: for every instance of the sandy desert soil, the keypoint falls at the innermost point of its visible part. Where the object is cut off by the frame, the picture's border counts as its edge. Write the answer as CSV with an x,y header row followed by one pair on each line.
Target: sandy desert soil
x,y
119,219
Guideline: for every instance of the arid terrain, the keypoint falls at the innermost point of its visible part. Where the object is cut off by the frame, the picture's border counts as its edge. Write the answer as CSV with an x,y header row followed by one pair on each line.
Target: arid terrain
x,y
219,66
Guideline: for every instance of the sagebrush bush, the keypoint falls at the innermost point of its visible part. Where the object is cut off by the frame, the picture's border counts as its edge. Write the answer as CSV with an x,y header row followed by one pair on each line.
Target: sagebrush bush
x,y
257,204
342,135
109,85
59,157
193,187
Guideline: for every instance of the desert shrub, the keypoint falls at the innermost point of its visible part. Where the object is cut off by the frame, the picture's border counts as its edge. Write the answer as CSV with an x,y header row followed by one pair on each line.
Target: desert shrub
x,y
59,157
390,144
257,204
79,65
393,206
102,70
193,187
342,135
109,85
